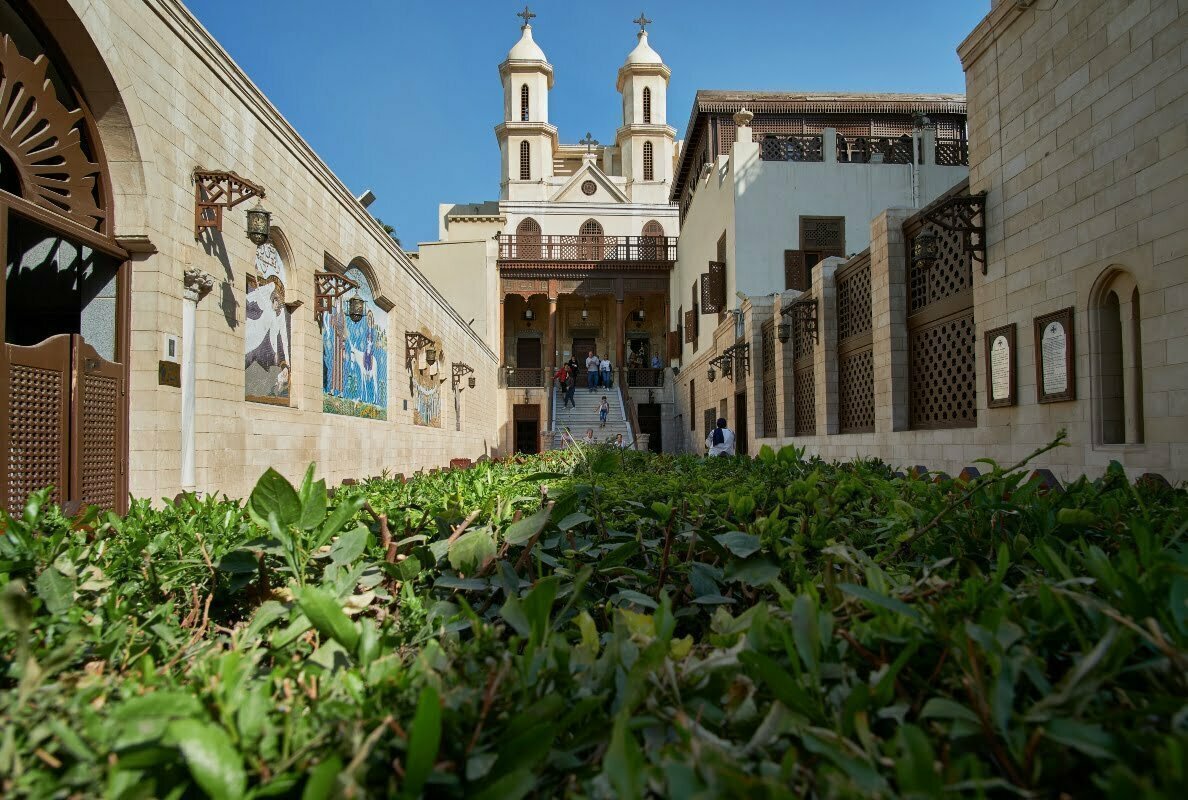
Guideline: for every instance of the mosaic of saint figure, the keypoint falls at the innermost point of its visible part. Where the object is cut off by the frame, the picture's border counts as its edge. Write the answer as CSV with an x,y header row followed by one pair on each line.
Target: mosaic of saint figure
x,y
267,352
355,355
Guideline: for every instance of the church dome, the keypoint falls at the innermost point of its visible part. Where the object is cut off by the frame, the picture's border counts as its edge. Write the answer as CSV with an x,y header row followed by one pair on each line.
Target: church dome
x,y
643,52
526,49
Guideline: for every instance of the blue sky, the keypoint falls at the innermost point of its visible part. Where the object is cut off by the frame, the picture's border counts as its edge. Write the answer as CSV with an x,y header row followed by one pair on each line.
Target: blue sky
x,y
402,97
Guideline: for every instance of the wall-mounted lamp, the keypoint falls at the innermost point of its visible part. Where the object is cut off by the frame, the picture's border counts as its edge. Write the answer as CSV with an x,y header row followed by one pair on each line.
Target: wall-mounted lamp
x,y
259,223
215,190
470,381
783,332
356,308
711,373
430,355
457,370
925,248
528,316
415,341
585,311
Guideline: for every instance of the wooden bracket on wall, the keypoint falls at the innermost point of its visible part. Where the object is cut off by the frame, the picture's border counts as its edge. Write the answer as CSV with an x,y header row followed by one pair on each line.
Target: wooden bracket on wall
x,y
328,287
215,190
964,214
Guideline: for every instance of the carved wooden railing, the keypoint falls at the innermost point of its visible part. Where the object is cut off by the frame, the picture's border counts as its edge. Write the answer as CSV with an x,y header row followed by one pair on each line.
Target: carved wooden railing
x,y
525,377
644,377
588,248
791,148
860,149
952,152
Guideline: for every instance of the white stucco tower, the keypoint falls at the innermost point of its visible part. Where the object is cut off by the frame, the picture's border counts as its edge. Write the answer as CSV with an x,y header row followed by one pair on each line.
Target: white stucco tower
x,y
646,139
526,139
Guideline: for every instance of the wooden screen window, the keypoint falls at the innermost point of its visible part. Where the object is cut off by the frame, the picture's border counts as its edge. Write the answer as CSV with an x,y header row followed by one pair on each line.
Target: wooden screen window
x,y
710,421
721,250
713,289
795,272
525,162
647,106
524,103
855,356
674,344
648,162
528,239
767,333
692,405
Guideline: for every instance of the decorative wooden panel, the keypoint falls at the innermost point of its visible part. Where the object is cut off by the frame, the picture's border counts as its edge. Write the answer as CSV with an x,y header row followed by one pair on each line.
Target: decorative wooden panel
x,y
713,288
693,405
804,398
950,275
803,339
823,234
691,326
853,302
796,276
98,440
711,420
770,377
674,344
855,380
942,368
37,421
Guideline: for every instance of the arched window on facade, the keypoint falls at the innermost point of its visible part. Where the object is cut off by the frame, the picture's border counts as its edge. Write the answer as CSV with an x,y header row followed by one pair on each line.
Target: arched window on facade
x,y
524,103
652,245
649,168
1117,359
528,239
525,161
647,105
591,241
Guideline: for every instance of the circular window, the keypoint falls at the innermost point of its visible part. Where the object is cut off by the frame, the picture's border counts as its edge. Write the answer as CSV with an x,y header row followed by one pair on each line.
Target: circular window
x,y
589,187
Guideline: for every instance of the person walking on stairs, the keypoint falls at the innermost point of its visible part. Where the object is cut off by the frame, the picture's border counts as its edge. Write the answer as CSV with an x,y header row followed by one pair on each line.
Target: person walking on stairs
x,y
592,362
604,366
603,410
565,384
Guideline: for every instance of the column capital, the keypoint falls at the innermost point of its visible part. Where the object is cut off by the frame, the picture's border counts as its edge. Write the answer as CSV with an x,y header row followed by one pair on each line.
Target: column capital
x,y
197,284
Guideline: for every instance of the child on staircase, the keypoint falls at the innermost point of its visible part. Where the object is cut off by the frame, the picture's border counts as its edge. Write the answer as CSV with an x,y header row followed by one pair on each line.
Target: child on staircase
x,y
603,410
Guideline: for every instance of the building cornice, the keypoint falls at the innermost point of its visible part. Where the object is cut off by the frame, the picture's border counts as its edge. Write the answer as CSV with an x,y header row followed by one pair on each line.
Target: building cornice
x,y
508,127
629,70
640,129
178,19
988,30
526,65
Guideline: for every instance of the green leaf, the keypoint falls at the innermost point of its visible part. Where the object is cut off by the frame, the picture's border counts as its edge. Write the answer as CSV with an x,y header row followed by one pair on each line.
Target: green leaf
x,y
623,764
523,530
943,708
239,562
512,786
776,678
252,713
214,763
470,550
274,495
423,742
341,514
915,768
573,520
55,590
349,546
327,616
322,780
1091,740
752,571
805,632
881,600
313,505
739,543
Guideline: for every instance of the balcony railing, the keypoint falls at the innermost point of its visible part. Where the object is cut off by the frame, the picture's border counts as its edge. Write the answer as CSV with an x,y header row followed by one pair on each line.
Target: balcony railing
x,y
525,377
791,148
644,377
861,149
952,152
588,248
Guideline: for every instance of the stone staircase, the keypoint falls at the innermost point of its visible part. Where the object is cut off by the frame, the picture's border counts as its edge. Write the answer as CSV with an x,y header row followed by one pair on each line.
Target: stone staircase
x,y
585,415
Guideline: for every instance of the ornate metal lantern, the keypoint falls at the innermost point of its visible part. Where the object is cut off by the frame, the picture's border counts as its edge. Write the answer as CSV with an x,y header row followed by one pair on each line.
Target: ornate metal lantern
x,y
711,374
356,308
783,332
259,222
470,382
529,315
925,248
431,355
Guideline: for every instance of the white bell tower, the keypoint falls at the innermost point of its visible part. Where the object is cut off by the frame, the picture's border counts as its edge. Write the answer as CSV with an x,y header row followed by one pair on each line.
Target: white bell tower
x,y
645,140
526,139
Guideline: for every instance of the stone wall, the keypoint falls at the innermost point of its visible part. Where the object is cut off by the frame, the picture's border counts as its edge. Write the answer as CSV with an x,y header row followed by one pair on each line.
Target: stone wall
x,y
168,99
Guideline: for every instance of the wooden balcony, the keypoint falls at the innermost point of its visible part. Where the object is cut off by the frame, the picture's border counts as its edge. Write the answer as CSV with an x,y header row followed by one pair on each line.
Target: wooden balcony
x,y
614,252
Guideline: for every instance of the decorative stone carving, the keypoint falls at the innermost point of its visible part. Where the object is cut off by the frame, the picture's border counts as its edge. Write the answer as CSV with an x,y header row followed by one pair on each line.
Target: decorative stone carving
x,y
197,284
743,117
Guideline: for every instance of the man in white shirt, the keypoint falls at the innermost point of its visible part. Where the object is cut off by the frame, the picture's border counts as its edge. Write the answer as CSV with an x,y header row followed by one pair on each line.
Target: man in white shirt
x,y
604,367
592,362
720,442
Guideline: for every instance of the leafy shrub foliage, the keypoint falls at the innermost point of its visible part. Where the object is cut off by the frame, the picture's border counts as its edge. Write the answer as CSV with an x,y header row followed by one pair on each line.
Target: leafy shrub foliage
x,y
604,624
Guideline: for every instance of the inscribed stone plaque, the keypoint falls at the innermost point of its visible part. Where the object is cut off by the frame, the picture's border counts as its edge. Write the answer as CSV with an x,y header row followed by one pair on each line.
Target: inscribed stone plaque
x,y
1000,366
1055,380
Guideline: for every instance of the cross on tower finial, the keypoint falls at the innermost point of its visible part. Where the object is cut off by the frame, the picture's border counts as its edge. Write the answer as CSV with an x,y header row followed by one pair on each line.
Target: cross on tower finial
x,y
643,22
589,141
527,15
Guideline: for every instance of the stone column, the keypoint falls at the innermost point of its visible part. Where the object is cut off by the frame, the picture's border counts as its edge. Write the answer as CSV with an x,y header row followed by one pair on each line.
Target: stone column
x,y
500,333
550,358
620,333
197,284
889,307
829,146
785,371
825,354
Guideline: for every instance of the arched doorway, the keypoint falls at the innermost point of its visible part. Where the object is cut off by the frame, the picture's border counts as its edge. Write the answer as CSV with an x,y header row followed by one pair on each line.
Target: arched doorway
x,y
527,239
591,241
651,244
64,302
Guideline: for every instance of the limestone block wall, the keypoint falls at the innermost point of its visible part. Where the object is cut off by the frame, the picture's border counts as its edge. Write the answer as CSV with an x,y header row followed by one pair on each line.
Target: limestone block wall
x,y
169,100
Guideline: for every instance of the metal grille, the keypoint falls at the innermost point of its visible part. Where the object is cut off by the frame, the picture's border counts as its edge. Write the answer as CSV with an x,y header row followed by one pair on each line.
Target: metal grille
x,y
823,233
853,302
648,160
525,162
942,357
767,332
951,274
100,440
855,380
804,395
36,433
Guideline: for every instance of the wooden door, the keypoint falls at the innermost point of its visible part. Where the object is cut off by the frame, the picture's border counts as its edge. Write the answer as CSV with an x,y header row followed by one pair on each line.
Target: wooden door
x,y
526,433
528,353
582,346
650,423
740,423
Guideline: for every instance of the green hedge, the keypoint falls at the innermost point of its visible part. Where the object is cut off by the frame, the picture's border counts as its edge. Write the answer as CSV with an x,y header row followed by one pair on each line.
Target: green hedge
x,y
604,624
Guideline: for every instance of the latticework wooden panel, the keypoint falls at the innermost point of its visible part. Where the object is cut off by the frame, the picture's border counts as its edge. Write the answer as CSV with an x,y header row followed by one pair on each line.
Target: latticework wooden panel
x,y
855,383
853,303
950,274
802,339
36,432
100,451
711,419
804,397
823,233
713,288
942,369
770,376
791,148
796,276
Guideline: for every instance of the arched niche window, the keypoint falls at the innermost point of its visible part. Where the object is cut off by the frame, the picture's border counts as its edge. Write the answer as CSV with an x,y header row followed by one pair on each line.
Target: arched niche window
x,y
524,103
651,244
649,162
528,239
647,105
590,240
1117,359
525,161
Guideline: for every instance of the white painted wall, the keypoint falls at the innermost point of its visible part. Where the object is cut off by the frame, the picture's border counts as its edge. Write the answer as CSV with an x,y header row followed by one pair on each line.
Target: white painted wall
x,y
466,275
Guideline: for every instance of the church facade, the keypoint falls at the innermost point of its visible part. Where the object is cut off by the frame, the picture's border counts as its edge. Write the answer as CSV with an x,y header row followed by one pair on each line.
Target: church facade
x,y
575,256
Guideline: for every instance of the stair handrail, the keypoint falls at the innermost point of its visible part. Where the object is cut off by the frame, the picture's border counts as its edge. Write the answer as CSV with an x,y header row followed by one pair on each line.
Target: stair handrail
x,y
630,413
